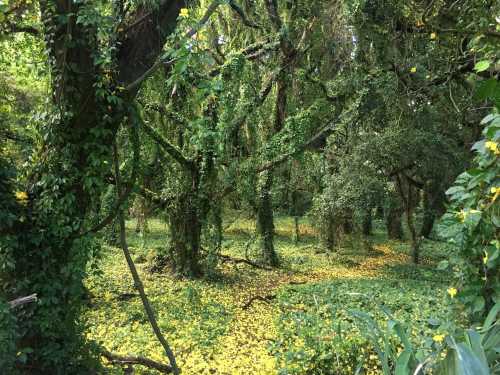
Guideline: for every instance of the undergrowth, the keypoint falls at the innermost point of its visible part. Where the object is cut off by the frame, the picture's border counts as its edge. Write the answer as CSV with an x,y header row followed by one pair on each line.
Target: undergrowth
x,y
302,323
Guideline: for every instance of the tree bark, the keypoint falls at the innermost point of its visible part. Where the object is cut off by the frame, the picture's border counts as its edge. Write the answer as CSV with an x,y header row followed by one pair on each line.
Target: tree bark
x,y
329,231
265,219
408,195
433,207
296,234
185,237
393,213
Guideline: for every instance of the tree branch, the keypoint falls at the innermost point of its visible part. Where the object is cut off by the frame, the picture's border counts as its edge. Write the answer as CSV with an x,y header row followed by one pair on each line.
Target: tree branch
x,y
239,11
167,61
267,299
227,258
298,150
173,151
133,360
13,28
135,275
23,301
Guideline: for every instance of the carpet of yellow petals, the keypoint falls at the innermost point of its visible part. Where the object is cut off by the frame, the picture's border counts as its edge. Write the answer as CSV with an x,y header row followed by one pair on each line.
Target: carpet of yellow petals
x,y
221,335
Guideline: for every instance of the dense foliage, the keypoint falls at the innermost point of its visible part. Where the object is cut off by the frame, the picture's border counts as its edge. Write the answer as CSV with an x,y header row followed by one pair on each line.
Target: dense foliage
x,y
206,124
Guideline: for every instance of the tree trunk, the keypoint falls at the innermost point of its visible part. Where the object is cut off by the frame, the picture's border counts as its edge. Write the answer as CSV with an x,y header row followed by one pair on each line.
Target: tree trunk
x,y
347,225
433,202
393,213
429,216
140,209
409,197
185,237
328,232
415,241
296,234
265,219
367,225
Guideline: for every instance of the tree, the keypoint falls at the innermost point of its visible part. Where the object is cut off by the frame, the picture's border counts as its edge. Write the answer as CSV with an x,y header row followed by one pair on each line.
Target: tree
x,y
96,70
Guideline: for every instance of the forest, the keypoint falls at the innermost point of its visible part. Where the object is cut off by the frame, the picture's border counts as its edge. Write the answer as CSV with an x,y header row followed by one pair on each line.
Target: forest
x,y
290,187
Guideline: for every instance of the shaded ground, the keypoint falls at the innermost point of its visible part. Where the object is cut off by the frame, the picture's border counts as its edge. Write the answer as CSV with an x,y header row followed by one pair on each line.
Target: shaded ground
x,y
207,324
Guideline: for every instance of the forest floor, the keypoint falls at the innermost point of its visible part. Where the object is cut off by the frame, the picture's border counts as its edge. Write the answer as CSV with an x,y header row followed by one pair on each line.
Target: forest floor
x,y
243,320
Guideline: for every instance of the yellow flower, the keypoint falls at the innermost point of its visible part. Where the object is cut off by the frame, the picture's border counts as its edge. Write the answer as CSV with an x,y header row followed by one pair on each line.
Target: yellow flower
x,y
492,146
494,190
452,292
413,69
21,196
438,338
433,36
462,215
485,258
184,13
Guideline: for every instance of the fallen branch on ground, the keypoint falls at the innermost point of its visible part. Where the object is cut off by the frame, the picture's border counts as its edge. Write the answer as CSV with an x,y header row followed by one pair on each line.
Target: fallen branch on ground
x,y
226,258
23,301
132,360
297,282
267,299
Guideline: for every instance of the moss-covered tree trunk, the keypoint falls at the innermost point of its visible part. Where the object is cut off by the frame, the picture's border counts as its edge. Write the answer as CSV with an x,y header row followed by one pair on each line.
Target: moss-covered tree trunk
x,y
140,210
265,219
185,237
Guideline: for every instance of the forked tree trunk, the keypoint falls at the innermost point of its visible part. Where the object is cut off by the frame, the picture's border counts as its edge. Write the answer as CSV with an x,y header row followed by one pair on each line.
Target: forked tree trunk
x,y
429,216
141,213
409,195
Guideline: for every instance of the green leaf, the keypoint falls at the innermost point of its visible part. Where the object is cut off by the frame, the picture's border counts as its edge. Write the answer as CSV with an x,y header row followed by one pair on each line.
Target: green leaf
x,y
491,116
461,360
481,66
486,89
492,316
443,265
402,363
478,304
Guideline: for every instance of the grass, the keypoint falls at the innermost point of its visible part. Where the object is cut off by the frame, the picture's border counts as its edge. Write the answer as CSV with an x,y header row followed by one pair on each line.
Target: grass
x,y
211,332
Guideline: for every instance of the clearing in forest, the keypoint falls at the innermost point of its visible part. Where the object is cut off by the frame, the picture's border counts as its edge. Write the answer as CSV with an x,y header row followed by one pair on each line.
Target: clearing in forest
x,y
253,321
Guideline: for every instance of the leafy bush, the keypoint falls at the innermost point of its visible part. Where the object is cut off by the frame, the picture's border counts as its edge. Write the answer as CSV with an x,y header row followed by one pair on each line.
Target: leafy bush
x,y
7,338
462,352
472,224
320,334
